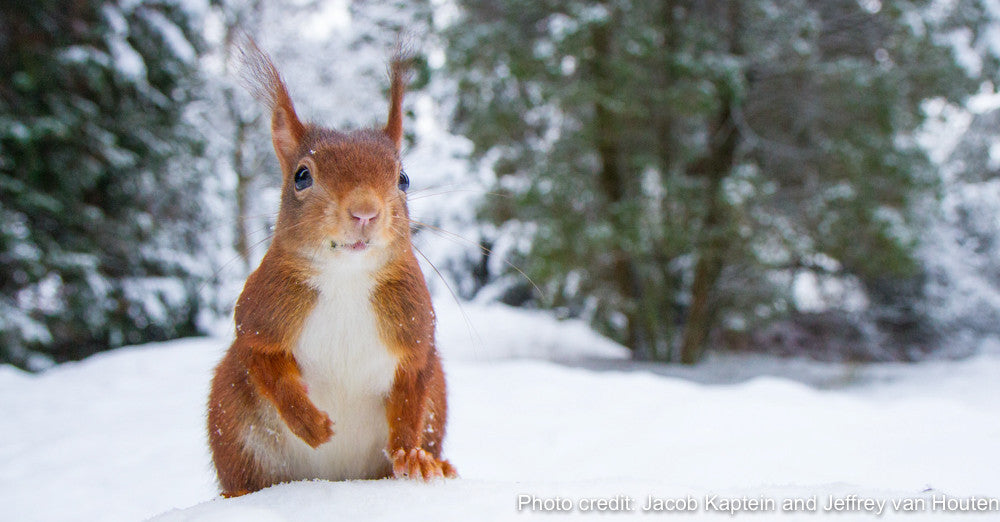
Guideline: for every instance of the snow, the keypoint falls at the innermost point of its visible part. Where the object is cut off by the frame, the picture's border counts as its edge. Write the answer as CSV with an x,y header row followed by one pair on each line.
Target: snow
x,y
173,36
538,407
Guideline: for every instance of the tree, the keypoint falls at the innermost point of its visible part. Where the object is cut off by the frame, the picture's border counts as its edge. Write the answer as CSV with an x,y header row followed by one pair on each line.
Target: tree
x,y
101,217
674,165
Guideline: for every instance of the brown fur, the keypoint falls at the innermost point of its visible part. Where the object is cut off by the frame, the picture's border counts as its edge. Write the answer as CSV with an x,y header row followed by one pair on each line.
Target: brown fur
x,y
354,174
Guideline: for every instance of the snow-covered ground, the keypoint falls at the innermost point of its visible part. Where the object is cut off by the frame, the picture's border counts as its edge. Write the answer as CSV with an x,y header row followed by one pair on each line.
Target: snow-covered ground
x,y
540,410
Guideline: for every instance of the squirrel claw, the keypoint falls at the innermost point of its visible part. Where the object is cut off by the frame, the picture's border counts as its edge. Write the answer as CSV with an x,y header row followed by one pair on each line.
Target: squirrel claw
x,y
418,464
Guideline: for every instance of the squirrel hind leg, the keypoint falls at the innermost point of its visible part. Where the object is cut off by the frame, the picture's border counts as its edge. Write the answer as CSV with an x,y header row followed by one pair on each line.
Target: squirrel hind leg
x,y
240,473
448,469
236,493
232,406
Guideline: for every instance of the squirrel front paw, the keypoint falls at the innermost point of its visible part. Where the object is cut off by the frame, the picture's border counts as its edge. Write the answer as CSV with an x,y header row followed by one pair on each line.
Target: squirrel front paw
x,y
310,424
418,464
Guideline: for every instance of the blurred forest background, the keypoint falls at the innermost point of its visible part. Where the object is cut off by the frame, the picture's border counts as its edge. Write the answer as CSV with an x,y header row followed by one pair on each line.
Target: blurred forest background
x,y
799,177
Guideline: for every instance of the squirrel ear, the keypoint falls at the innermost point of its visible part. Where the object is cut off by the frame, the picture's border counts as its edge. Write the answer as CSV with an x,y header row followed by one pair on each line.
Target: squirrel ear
x,y
399,70
264,82
286,133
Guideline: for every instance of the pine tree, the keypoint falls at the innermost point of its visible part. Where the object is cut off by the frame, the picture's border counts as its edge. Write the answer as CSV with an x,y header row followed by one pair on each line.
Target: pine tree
x,y
674,165
101,230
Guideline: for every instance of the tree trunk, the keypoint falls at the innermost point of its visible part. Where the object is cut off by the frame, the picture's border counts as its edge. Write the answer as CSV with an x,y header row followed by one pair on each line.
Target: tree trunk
x,y
614,185
243,20
706,274
715,231
661,313
243,181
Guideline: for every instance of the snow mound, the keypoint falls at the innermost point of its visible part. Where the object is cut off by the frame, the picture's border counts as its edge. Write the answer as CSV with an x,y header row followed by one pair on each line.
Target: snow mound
x,y
484,332
121,436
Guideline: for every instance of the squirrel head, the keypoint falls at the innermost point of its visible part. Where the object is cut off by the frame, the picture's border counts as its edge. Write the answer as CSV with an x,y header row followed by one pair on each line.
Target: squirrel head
x,y
343,194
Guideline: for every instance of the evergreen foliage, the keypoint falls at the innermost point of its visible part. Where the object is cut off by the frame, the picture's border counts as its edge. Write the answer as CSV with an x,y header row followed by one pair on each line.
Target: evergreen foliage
x,y
683,174
99,214
676,167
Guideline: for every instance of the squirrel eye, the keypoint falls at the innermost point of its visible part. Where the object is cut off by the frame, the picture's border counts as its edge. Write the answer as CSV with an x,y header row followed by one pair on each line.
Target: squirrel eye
x,y
404,181
303,179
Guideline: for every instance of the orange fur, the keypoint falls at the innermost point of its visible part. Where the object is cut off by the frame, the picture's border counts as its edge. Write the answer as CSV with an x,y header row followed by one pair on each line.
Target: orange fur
x,y
398,71
355,174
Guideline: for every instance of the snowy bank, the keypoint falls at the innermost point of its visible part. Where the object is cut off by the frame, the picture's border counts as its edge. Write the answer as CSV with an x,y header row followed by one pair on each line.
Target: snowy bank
x,y
120,436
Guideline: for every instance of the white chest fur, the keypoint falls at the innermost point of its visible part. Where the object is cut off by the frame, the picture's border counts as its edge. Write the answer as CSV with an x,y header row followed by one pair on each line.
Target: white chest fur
x,y
349,372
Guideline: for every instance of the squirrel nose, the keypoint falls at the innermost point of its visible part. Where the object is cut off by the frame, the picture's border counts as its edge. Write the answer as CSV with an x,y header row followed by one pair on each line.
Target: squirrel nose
x,y
364,216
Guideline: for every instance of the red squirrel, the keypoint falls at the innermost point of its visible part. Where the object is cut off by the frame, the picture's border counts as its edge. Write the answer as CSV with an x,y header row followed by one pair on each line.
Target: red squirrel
x,y
333,373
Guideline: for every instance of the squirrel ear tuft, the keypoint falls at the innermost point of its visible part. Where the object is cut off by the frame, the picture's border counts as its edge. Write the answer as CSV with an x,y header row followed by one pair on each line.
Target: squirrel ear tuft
x,y
399,75
263,81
